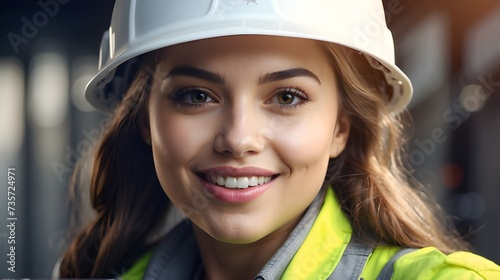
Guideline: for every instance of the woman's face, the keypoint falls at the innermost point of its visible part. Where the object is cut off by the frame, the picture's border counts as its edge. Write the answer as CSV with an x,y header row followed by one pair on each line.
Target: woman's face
x,y
242,129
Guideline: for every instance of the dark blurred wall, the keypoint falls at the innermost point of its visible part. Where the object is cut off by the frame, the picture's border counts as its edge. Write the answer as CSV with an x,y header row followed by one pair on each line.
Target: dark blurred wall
x,y
48,50
451,51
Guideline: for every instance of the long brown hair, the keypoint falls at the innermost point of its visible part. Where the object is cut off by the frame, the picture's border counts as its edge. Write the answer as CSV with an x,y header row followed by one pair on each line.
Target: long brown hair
x,y
369,178
124,191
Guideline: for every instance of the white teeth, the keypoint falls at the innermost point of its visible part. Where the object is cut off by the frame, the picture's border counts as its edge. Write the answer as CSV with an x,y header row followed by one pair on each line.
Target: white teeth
x,y
240,182
220,180
261,180
253,181
231,182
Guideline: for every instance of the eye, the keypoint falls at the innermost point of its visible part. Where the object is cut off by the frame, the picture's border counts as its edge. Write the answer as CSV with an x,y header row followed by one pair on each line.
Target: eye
x,y
199,97
193,96
289,97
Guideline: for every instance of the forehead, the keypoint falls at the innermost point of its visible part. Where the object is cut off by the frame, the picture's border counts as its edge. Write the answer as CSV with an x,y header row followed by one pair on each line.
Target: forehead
x,y
248,49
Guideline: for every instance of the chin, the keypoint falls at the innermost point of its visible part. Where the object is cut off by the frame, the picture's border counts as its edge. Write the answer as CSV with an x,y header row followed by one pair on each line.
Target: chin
x,y
237,236
235,233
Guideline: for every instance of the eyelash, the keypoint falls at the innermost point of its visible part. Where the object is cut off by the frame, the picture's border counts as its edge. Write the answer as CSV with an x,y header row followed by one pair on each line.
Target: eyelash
x,y
297,92
178,96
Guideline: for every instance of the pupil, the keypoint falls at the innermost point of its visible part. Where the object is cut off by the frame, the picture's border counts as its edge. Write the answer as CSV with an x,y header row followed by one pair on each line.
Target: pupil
x,y
286,98
199,97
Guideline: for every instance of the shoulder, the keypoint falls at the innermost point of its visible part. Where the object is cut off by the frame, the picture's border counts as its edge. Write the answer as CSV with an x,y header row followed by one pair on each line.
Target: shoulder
x,y
430,263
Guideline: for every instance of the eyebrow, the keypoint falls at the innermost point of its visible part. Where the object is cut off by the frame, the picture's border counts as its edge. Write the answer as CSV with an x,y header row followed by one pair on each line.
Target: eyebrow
x,y
287,74
218,78
197,73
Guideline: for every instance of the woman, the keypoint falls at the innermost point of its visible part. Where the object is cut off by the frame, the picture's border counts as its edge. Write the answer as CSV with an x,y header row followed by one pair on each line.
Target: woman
x,y
274,128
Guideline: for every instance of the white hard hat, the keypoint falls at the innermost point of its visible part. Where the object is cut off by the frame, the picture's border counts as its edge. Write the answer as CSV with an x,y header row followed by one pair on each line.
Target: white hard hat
x,y
141,26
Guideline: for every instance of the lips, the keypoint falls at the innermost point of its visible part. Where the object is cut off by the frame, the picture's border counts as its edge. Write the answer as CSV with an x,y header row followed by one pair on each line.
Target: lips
x,y
236,185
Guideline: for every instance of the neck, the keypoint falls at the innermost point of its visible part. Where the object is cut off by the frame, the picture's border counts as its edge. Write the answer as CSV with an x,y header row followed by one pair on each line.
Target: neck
x,y
223,260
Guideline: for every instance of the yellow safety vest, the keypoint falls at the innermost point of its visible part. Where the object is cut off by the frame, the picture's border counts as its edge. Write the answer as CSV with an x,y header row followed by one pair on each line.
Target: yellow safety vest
x,y
324,247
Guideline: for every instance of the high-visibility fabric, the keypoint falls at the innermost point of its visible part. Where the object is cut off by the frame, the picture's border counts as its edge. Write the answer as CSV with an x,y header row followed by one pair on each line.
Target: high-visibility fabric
x,y
139,268
429,263
323,248
330,234
324,245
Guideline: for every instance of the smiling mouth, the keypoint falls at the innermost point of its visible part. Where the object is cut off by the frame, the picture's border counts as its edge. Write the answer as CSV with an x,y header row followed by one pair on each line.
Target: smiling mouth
x,y
237,182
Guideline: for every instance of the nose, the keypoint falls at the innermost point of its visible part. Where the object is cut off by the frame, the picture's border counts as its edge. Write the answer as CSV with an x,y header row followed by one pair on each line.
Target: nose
x,y
240,132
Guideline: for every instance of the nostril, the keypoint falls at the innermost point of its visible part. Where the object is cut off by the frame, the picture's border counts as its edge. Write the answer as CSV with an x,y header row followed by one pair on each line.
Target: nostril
x,y
238,143
235,154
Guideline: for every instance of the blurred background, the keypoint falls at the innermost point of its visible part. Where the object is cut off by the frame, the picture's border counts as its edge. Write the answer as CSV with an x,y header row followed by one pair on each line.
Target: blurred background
x,y
49,50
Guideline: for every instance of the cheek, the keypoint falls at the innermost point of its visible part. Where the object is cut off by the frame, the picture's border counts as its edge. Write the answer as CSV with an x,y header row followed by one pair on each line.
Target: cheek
x,y
177,139
175,143
307,143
